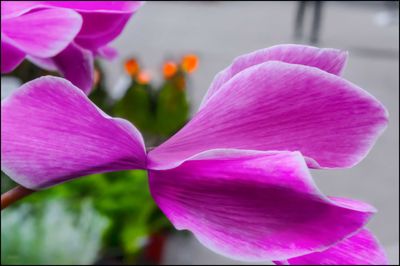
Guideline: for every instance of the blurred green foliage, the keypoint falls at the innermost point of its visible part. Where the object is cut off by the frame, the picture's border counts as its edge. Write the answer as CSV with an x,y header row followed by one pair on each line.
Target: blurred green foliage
x,y
172,106
123,198
51,233
137,106
99,93
155,111
27,71
6,183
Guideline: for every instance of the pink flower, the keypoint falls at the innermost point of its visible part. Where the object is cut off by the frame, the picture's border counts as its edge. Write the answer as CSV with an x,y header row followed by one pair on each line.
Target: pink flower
x,y
236,175
62,36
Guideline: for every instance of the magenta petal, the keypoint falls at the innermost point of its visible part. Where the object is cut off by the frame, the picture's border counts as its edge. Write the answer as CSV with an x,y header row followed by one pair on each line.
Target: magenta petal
x,y
45,63
107,52
77,65
280,106
17,8
360,249
42,33
51,133
254,206
110,25
74,63
98,6
102,21
11,57
329,60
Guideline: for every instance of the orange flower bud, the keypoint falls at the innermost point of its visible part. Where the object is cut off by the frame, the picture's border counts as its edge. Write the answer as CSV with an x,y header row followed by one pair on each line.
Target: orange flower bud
x,y
96,78
144,77
189,63
169,69
131,67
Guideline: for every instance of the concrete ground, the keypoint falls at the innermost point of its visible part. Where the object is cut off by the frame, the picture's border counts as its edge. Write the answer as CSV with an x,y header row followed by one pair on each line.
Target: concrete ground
x,y
220,31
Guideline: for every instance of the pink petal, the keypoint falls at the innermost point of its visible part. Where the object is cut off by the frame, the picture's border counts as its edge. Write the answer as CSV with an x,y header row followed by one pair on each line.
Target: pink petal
x,y
107,52
51,133
254,206
360,249
45,63
11,9
74,63
11,57
102,21
98,6
280,106
77,65
330,60
42,33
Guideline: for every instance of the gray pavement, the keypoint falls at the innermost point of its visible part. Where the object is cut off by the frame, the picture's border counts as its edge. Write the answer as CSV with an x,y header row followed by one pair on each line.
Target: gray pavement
x,y
220,31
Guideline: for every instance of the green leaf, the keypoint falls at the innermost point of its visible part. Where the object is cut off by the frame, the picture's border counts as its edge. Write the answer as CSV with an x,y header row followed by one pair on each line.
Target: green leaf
x,y
172,109
136,106
6,183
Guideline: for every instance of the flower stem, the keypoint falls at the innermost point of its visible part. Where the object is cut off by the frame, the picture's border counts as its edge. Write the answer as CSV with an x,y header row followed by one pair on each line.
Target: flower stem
x,y
13,195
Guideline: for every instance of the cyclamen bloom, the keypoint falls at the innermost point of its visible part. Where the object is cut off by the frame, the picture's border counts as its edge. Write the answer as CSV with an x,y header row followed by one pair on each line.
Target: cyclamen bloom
x,y
62,36
236,175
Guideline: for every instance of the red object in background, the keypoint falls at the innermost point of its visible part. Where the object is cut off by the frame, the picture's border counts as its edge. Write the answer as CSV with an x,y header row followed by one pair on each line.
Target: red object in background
x,y
132,67
154,249
169,69
190,63
144,77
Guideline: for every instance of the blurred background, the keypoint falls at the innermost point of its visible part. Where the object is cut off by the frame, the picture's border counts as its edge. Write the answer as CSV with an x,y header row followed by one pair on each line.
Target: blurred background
x,y
169,54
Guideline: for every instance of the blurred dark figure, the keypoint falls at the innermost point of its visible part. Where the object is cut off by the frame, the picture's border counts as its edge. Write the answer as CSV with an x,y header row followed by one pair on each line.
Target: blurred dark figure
x,y
298,34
